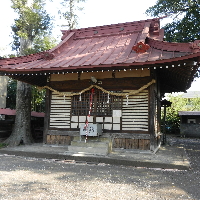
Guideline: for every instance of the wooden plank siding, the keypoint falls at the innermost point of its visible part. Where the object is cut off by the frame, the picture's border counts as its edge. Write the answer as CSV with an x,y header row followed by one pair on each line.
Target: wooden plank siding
x,y
135,112
59,139
134,119
60,112
129,143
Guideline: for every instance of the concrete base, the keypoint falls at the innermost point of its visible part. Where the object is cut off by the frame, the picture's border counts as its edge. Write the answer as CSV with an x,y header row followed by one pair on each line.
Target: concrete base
x,y
98,148
168,157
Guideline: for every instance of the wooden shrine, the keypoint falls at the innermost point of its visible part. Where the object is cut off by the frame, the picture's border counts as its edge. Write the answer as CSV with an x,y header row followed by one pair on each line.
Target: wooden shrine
x,y
114,76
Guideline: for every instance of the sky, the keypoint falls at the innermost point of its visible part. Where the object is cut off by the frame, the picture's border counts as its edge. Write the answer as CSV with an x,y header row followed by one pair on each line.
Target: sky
x,y
95,13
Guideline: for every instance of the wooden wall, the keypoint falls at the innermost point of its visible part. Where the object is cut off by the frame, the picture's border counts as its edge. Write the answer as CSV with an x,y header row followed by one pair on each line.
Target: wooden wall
x,y
59,139
60,111
133,117
101,75
135,112
129,143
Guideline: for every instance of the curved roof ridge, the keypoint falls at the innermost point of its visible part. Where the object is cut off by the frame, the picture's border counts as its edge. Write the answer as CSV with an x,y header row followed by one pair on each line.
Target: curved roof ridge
x,y
91,32
170,46
64,42
120,28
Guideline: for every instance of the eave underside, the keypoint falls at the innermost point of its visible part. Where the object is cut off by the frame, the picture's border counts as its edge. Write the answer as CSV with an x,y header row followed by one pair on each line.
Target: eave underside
x,y
175,76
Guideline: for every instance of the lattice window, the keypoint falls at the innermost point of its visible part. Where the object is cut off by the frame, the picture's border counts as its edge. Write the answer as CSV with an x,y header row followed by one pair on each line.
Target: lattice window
x,y
80,105
102,104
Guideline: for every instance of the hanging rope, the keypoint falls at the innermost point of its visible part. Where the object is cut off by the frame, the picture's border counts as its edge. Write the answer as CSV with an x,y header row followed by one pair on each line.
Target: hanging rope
x,y
89,113
102,89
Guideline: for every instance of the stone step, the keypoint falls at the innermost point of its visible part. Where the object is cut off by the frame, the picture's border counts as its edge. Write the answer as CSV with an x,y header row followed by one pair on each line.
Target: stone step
x,y
93,139
89,144
97,148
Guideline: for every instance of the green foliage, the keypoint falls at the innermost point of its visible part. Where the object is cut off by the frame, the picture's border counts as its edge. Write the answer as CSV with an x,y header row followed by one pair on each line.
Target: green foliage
x,y
70,12
179,104
185,14
40,44
37,100
2,145
33,26
33,21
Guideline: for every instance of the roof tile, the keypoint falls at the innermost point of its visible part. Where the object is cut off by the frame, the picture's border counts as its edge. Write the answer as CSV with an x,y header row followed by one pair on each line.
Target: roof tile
x,y
127,48
105,46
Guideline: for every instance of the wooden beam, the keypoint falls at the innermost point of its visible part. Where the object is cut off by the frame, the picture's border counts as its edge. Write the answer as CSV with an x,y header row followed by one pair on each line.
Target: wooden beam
x,y
47,115
151,116
108,84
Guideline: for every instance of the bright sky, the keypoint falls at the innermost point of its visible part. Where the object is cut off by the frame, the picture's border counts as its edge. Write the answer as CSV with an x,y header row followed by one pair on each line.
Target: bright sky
x,y
95,13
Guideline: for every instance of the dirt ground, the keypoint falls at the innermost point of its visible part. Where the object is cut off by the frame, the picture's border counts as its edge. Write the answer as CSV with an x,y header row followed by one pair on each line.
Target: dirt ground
x,y
24,178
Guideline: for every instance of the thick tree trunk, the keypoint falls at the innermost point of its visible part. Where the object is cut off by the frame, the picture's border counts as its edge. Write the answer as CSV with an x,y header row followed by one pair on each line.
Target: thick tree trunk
x,y
21,133
24,45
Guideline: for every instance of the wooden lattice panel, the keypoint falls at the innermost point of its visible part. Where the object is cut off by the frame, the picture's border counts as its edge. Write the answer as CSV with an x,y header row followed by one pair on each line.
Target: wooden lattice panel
x,y
60,111
135,112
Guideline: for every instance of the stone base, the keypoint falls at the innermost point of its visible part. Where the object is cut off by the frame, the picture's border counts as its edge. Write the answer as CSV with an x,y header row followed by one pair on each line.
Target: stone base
x,y
97,148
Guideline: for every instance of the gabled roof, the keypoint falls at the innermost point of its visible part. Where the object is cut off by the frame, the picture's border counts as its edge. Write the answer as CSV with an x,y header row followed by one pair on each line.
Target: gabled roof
x,y
130,45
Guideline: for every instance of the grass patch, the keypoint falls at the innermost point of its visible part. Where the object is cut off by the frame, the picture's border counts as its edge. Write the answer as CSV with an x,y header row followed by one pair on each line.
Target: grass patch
x,y
2,145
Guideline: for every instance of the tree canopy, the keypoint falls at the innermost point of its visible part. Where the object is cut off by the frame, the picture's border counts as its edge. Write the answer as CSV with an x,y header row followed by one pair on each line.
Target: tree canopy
x,y
37,100
33,23
179,104
30,31
185,15
69,12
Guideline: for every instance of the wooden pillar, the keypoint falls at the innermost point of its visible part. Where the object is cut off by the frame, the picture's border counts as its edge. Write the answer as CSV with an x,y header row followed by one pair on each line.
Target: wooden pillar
x,y
158,107
47,115
158,139
152,116
95,107
164,126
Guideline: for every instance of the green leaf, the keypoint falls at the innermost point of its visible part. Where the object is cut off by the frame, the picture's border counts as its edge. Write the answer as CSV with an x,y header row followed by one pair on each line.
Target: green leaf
x,y
185,14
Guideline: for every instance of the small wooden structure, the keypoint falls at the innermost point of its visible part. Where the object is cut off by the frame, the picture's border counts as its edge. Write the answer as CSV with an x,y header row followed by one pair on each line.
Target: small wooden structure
x,y
191,95
6,124
190,123
113,75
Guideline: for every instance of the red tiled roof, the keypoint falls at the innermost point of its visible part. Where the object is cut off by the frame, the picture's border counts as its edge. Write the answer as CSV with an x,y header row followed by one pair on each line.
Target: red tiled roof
x,y
120,46
104,46
8,111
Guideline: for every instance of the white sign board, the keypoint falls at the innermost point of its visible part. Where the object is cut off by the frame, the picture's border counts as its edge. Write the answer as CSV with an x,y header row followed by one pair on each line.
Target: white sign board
x,y
117,113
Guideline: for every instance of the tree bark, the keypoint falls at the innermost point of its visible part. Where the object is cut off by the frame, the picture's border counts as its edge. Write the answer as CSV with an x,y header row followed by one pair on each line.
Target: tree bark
x,y
21,133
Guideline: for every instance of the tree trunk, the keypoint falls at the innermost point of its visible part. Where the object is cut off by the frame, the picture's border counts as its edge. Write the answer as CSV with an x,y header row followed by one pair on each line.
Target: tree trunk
x,y
25,43
21,133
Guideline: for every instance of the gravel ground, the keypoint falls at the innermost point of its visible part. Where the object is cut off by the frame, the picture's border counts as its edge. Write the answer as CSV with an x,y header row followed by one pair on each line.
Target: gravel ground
x,y
24,178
